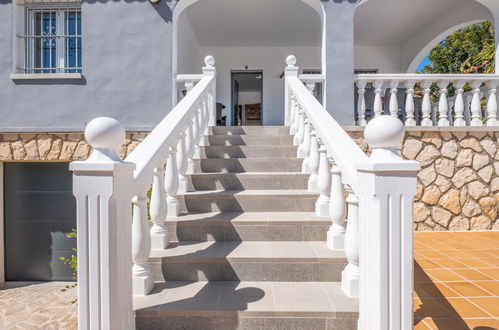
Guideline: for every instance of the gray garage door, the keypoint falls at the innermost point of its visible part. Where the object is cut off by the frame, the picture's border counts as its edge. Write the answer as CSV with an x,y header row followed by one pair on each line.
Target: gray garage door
x,y
39,211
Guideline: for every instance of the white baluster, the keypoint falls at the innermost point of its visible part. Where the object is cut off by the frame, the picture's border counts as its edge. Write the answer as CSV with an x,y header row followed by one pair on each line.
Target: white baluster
x,y
206,122
292,114
196,134
313,163
158,211
459,104
350,275
426,107
378,102
188,85
476,104
191,164
394,104
337,211
323,184
361,105
306,148
492,104
172,184
296,122
298,140
141,246
443,105
183,180
409,103
310,86
202,123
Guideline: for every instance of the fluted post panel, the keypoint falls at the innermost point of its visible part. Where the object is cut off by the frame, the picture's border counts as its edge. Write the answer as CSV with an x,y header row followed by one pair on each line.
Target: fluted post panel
x,y
210,70
337,211
476,104
158,211
172,184
426,106
459,104
313,164
387,185
409,104
351,274
361,105
492,104
103,188
290,70
306,148
323,184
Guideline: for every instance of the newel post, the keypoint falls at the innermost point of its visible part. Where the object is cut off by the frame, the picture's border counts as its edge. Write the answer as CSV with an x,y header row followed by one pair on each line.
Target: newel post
x,y
291,70
103,187
387,185
210,70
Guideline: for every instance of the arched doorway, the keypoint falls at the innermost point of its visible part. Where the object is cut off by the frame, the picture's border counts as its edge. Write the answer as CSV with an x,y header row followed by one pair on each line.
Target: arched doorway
x,y
249,36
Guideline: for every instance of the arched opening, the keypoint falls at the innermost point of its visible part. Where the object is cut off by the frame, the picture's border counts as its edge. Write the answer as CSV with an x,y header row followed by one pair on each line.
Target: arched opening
x,y
249,36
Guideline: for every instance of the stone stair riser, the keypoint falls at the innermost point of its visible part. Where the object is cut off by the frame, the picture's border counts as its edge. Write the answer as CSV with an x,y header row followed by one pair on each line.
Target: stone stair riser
x,y
245,140
250,130
230,181
237,165
249,152
197,203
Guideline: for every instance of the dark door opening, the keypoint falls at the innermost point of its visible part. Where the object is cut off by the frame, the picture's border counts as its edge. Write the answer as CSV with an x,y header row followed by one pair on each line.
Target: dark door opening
x,y
246,103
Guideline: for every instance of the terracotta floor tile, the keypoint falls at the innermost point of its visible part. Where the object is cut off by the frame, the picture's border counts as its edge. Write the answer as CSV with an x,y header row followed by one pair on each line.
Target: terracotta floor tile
x,y
428,263
492,272
435,290
448,324
443,275
483,323
449,263
494,262
431,254
474,263
429,308
463,307
478,254
490,305
421,325
491,286
471,274
456,254
467,289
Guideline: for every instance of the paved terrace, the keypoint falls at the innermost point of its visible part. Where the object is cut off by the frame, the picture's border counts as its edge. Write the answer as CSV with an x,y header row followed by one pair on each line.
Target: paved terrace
x,y
456,287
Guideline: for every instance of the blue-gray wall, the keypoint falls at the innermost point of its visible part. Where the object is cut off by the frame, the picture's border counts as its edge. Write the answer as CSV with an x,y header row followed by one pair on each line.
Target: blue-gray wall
x,y
126,65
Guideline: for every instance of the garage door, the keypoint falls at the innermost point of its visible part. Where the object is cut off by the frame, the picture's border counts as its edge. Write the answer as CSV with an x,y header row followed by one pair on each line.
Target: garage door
x,y
39,211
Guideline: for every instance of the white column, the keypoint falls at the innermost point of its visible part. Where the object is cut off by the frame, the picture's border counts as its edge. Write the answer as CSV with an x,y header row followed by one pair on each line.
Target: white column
x,y
313,164
337,211
184,182
386,189
350,275
476,104
492,104
291,70
158,209
102,186
141,245
459,104
361,104
323,184
378,103
409,103
171,184
443,104
210,70
426,106
306,147
394,103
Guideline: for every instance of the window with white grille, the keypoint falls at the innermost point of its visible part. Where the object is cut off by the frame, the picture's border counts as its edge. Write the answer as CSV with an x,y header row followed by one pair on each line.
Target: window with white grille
x,y
51,38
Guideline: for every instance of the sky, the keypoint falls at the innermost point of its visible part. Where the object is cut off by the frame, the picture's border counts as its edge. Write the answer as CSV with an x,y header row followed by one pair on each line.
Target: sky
x,y
426,61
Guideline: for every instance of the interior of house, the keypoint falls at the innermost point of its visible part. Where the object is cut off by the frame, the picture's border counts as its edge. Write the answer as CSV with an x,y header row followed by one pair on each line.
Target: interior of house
x,y
247,98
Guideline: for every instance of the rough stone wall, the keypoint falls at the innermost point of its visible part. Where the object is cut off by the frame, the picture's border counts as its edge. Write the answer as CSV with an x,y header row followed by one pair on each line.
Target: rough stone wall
x,y
55,146
458,185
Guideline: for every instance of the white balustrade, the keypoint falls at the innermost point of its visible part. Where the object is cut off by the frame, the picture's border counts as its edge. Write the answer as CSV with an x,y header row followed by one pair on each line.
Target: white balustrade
x,y
158,211
446,106
172,184
377,239
306,148
141,245
183,181
313,163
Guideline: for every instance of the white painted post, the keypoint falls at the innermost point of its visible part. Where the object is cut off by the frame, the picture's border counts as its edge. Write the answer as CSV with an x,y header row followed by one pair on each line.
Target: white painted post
x,y
443,104
476,104
350,275
492,104
210,70
394,104
459,104
313,164
378,103
361,105
409,103
337,211
172,183
291,70
183,180
102,186
323,184
158,211
386,191
426,106
306,147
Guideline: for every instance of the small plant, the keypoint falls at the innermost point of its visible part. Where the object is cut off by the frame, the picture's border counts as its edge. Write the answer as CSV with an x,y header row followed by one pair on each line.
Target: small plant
x,y
72,262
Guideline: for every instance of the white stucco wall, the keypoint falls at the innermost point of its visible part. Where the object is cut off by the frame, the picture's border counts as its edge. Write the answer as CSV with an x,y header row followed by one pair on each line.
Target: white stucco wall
x,y
189,59
384,58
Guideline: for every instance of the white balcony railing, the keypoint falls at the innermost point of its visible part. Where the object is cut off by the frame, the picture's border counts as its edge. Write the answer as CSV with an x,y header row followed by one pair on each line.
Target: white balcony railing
x,y
374,223
394,94
106,187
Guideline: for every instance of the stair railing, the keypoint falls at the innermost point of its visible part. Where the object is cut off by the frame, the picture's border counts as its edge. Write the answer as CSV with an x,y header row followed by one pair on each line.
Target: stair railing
x,y
373,224
105,187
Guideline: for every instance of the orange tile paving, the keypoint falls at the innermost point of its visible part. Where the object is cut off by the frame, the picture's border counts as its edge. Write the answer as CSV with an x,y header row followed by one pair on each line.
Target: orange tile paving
x,y
456,280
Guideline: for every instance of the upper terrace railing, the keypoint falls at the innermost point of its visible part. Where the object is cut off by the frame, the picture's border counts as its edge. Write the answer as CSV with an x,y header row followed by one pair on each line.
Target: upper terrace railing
x,y
378,236
395,94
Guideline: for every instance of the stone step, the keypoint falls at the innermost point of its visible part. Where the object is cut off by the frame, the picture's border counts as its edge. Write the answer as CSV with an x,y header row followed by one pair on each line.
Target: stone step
x,y
249,151
237,165
249,130
249,180
250,201
248,226
248,261
242,140
246,305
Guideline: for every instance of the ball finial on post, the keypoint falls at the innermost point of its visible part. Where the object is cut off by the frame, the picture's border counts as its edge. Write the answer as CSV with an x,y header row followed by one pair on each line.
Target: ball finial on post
x,y
384,134
291,60
105,135
209,61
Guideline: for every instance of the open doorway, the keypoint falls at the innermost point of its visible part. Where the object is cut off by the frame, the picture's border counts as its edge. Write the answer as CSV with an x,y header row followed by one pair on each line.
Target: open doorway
x,y
246,98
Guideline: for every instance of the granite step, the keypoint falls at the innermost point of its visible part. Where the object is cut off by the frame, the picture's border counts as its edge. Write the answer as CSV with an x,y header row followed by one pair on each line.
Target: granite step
x,y
238,165
248,226
248,261
249,151
249,180
246,305
249,130
250,201
242,140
